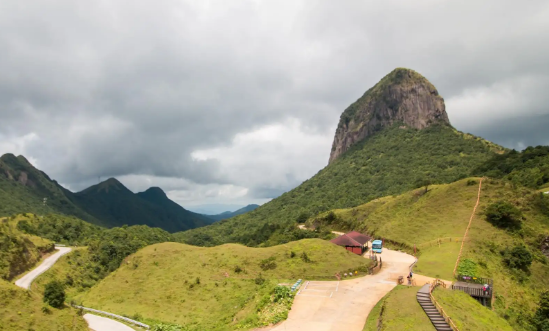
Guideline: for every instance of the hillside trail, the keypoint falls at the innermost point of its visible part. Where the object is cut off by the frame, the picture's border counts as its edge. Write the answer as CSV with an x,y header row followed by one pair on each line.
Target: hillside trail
x,y
26,281
303,227
344,305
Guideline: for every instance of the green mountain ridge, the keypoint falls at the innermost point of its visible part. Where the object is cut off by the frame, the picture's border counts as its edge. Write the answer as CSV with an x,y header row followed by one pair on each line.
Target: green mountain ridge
x,y
229,214
23,189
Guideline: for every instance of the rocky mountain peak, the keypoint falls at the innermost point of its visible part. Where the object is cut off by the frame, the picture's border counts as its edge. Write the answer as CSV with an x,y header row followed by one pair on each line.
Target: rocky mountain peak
x,y
403,96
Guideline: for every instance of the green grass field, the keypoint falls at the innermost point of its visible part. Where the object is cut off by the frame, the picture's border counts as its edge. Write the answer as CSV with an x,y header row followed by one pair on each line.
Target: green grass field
x,y
438,261
213,288
467,313
399,310
444,211
22,310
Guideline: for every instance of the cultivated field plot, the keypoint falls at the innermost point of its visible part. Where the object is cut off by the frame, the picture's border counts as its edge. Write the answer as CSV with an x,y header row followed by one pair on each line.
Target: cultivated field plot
x,y
319,289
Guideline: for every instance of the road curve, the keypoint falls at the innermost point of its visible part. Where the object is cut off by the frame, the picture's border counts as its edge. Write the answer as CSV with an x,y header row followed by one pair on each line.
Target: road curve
x,y
26,281
344,305
98,323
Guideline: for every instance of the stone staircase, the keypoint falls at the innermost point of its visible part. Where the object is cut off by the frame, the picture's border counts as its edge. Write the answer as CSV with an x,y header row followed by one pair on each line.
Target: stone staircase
x,y
424,298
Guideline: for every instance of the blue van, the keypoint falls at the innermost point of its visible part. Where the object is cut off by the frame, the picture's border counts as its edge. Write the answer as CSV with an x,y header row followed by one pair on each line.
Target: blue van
x,y
377,245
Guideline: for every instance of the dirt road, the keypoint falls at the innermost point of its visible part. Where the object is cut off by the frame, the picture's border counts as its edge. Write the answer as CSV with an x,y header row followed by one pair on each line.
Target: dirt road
x,y
25,281
344,305
98,323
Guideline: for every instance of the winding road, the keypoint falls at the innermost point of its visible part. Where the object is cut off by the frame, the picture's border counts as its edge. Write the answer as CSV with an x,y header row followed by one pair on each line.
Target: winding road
x,y
26,281
96,323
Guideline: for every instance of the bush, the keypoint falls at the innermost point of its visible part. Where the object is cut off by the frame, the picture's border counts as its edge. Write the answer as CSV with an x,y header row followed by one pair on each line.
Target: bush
x,y
519,257
541,318
268,264
504,215
467,267
237,269
260,280
305,257
54,294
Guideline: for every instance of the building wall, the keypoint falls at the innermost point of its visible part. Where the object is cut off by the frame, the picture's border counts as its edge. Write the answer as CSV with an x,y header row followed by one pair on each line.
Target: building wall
x,y
355,249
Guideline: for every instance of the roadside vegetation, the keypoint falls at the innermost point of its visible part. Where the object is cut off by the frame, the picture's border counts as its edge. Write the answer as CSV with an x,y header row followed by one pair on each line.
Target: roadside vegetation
x,y
220,288
19,252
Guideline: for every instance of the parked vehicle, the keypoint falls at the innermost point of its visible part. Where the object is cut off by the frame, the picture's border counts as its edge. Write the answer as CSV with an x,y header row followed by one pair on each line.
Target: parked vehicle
x,y
377,246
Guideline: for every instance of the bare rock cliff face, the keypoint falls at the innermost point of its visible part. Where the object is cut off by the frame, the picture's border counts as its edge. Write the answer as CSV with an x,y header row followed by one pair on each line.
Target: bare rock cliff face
x,y
403,96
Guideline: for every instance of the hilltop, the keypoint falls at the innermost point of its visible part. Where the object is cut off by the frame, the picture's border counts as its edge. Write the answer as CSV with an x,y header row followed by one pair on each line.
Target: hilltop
x,y
109,203
403,96
219,288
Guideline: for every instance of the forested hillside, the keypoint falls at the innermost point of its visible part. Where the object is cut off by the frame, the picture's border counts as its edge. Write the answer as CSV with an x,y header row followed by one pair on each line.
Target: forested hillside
x,y
25,189
392,161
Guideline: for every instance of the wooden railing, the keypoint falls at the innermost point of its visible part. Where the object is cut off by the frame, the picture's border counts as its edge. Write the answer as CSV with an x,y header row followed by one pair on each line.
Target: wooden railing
x,y
434,284
475,292
439,241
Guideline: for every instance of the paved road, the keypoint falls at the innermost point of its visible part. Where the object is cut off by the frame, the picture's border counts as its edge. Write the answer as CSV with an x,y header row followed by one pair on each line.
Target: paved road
x,y
25,281
98,323
344,305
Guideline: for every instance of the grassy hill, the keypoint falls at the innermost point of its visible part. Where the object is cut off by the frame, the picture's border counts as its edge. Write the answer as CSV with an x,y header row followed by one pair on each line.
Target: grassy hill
x,y
399,310
219,288
23,189
390,162
23,310
418,217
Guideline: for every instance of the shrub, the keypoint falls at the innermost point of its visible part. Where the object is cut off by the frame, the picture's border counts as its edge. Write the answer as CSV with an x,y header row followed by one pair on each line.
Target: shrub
x,y
268,264
259,280
292,254
197,280
504,215
467,267
302,218
237,269
519,257
541,318
305,257
54,294
471,182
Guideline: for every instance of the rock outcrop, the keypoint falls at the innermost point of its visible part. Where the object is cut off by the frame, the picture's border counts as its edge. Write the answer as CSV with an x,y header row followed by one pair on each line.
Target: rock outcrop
x,y
403,96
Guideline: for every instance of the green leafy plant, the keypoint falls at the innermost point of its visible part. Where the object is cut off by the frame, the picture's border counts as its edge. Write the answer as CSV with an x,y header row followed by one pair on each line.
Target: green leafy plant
x,y
467,267
54,294
268,264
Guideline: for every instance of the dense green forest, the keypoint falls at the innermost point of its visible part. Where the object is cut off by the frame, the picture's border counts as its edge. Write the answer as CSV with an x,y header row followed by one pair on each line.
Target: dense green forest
x,y
528,168
390,162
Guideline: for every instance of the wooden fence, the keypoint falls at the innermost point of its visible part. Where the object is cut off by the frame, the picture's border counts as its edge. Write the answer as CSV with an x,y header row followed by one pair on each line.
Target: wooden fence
x,y
439,241
447,318
474,292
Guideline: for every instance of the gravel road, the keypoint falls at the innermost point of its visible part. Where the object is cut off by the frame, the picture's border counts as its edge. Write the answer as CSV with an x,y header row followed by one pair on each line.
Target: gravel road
x,y
25,281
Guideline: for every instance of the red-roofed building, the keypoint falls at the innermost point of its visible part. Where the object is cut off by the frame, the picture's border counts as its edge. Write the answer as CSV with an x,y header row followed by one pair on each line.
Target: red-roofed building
x,y
355,242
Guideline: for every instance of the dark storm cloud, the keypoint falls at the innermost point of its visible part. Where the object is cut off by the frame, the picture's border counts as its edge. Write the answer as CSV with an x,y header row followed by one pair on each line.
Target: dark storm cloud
x,y
242,98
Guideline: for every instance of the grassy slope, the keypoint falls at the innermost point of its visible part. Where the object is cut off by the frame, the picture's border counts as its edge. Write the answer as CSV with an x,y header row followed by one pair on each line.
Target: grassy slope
x,y
22,310
444,212
399,310
438,261
19,252
389,162
468,314
155,282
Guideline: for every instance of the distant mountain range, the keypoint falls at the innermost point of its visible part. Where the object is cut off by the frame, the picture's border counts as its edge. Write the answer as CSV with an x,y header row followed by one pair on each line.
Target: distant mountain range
x,y
229,214
25,189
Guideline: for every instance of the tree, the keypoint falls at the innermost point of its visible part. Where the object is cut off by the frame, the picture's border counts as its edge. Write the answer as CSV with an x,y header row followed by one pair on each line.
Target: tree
x,y
504,215
54,294
518,258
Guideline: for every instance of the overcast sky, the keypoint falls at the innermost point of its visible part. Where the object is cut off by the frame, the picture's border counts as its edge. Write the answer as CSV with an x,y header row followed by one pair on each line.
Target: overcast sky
x,y
235,102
